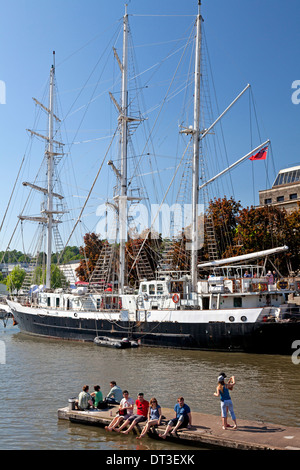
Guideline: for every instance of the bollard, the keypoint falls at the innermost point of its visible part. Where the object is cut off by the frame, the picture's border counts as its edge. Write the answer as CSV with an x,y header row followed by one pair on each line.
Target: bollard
x,y
71,404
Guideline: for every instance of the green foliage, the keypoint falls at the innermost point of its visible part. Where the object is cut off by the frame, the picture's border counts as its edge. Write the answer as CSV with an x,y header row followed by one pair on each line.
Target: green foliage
x,y
15,279
57,277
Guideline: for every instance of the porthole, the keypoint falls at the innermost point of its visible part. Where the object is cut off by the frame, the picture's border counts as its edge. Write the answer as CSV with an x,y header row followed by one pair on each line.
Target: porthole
x,y
243,318
231,318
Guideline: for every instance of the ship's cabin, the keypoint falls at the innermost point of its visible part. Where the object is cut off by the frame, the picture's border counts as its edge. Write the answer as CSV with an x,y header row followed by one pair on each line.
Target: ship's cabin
x,y
165,285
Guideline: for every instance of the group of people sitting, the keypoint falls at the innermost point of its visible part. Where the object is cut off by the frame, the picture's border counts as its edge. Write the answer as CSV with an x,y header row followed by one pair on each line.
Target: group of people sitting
x,y
126,419
87,400
149,412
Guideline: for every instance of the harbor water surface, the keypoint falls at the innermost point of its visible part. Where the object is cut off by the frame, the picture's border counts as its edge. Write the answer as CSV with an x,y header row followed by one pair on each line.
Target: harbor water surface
x,y
39,375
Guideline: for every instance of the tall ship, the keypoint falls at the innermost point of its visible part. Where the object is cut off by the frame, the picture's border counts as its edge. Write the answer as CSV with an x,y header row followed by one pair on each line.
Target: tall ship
x,y
220,305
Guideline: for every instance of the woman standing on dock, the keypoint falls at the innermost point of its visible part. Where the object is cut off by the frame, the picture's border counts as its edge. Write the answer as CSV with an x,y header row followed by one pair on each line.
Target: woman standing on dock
x,y
226,403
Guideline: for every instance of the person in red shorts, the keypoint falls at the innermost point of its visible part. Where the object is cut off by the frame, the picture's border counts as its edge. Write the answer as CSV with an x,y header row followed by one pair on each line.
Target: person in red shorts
x,y
142,406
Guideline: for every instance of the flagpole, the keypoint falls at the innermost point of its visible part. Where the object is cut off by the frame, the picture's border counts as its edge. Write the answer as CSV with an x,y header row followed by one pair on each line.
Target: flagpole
x,y
235,164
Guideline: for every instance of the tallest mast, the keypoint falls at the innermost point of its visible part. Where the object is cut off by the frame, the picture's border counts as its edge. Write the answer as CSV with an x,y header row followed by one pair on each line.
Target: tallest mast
x,y
50,176
196,140
124,126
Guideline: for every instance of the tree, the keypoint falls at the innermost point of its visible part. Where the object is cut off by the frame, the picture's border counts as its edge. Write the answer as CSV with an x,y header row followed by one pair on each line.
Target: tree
x,y
89,253
292,238
261,228
58,278
223,213
15,279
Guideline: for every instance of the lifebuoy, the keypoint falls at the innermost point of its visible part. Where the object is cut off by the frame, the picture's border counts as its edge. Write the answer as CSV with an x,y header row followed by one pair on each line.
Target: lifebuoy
x,y
120,303
175,298
262,287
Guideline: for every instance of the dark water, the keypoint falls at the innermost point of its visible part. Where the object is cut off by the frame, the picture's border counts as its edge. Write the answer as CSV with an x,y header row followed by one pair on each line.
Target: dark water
x,y
40,375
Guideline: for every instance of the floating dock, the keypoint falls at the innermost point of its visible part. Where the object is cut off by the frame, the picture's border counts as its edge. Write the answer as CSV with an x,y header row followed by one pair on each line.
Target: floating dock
x,y
206,431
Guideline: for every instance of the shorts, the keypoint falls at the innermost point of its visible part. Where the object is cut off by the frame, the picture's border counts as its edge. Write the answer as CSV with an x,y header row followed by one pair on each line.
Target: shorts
x,y
138,418
174,421
227,404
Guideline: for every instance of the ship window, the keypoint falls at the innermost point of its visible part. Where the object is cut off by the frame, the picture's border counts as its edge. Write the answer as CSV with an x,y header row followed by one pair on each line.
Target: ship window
x,y
48,301
280,198
152,289
237,302
160,289
57,301
144,288
98,303
293,196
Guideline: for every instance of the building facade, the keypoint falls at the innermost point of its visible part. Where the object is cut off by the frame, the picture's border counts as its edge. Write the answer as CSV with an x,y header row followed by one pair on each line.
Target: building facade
x,y
285,192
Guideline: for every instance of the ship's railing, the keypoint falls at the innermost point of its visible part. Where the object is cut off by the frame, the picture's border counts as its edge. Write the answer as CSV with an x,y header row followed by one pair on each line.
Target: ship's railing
x,y
104,302
222,285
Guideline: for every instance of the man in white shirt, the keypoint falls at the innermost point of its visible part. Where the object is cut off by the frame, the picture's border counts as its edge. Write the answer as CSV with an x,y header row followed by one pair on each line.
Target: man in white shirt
x,y
125,410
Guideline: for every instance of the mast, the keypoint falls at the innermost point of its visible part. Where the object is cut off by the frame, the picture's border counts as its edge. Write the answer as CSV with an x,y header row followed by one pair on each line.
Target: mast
x,y
195,163
50,177
124,126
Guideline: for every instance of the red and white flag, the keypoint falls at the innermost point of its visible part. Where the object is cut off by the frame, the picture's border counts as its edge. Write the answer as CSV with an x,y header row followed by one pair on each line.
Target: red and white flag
x,y
261,155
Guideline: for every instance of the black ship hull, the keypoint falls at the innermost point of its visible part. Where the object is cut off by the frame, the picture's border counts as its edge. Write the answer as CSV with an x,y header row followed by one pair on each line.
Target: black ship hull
x,y
257,337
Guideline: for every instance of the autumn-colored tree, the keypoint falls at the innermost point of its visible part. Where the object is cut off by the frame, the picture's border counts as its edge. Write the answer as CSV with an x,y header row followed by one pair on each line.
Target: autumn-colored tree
x,y
292,239
147,252
263,228
90,253
223,214
260,228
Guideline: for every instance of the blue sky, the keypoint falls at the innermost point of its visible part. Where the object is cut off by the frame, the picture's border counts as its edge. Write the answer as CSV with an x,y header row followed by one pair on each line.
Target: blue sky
x,y
248,42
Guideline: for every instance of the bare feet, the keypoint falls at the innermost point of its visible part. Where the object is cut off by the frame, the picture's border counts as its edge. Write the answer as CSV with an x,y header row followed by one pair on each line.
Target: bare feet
x,y
163,436
124,432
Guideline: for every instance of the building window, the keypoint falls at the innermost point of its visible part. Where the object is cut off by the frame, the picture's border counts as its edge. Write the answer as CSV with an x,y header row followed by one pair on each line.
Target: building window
x,y
293,196
280,198
268,201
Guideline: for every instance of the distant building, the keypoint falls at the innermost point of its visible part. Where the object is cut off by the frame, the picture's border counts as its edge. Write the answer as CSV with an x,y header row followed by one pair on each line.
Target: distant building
x,y
285,192
6,268
69,270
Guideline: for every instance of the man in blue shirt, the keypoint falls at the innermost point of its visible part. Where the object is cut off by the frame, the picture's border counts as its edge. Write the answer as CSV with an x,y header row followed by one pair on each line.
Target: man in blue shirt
x,y
183,418
115,394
